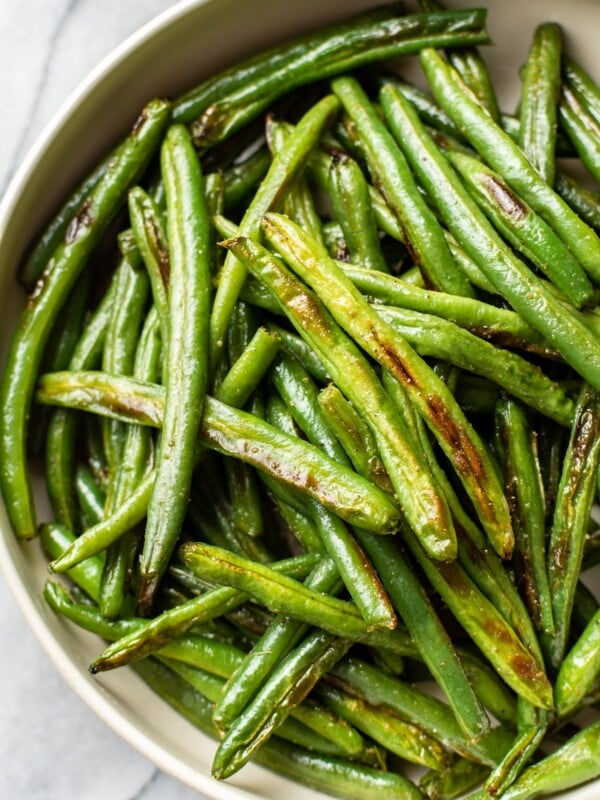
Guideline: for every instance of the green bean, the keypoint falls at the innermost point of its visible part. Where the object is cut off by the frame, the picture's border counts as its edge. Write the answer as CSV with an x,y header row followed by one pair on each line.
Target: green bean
x,y
429,635
297,347
154,634
37,319
351,202
531,734
255,360
289,597
517,666
575,497
381,341
300,395
524,229
405,739
151,237
526,497
354,435
243,176
483,319
282,172
39,259
286,688
245,501
526,294
472,69
433,336
584,202
226,103
428,110
583,85
91,499
279,638
493,693
427,712
299,203
581,128
579,669
291,730
61,344
539,98
135,462
343,778
572,764
480,563
122,334
503,155
460,777
186,356
55,539
228,431
390,170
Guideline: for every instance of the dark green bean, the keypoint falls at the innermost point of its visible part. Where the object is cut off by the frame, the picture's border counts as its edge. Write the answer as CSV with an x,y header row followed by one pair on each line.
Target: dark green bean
x,y
287,686
392,173
83,234
186,356
581,128
351,202
151,236
539,98
524,489
224,104
91,498
39,258
583,201
574,502
524,229
284,168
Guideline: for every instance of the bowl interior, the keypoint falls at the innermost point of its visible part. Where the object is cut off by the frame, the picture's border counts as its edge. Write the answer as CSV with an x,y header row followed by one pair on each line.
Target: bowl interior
x,y
192,40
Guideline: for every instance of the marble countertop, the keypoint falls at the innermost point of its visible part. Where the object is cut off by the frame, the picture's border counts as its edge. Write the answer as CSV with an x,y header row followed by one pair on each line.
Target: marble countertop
x,y
52,745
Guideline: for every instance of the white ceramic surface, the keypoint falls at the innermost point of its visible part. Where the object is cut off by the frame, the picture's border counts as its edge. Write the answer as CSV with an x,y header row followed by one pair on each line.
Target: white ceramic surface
x,y
187,42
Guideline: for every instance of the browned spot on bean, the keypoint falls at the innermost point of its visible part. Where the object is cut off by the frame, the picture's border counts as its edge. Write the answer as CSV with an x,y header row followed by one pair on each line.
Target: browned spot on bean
x,y
526,668
139,121
464,455
81,222
505,198
161,251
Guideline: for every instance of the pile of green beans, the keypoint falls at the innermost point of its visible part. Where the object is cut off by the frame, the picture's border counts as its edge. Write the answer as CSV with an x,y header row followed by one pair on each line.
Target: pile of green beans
x,y
313,357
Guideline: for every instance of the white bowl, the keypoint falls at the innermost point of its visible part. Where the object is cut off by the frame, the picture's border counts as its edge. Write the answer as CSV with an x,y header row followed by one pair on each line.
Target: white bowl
x,y
192,40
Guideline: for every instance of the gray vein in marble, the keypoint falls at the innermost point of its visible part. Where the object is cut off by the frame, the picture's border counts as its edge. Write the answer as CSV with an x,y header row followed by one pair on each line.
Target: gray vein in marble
x,y
145,786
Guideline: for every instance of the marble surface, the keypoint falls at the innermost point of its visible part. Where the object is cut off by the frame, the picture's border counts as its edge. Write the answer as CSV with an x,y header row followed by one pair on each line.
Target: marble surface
x,y
52,747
